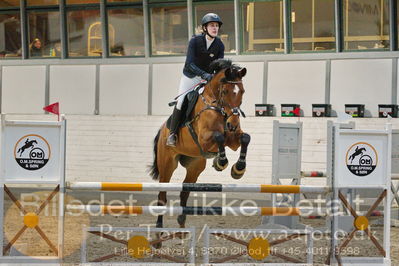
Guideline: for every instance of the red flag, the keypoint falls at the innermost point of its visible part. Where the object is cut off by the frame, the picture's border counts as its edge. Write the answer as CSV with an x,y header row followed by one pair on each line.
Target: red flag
x,y
53,108
297,111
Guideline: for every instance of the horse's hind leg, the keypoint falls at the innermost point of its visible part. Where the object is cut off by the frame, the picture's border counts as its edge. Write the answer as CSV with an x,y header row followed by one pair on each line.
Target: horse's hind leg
x,y
167,163
195,166
238,169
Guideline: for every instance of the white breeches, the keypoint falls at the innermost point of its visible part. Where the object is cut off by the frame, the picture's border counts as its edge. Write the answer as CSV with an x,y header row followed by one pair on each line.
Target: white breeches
x,y
186,85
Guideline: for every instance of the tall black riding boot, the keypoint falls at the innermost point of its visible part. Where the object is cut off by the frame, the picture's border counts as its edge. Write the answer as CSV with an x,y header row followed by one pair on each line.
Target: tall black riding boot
x,y
174,128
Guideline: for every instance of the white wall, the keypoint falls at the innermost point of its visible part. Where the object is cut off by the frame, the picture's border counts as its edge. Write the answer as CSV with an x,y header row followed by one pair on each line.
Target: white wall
x,y
364,81
165,86
23,89
301,82
74,87
124,89
253,85
397,85
166,79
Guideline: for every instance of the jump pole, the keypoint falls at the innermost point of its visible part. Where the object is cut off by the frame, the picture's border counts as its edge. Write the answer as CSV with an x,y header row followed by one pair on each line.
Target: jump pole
x,y
173,210
196,187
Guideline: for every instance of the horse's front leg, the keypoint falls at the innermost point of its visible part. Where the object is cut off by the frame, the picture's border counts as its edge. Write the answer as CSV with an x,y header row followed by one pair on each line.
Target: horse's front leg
x,y
161,202
238,169
220,162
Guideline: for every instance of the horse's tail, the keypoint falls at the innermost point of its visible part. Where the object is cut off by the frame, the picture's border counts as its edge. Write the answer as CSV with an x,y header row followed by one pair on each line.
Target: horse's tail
x,y
154,171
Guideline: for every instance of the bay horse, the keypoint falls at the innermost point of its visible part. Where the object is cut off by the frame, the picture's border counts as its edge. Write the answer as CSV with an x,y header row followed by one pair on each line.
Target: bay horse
x,y
215,124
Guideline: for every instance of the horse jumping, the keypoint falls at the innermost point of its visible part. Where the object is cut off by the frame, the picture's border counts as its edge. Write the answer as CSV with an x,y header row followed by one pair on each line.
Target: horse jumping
x,y
215,124
357,153
28,144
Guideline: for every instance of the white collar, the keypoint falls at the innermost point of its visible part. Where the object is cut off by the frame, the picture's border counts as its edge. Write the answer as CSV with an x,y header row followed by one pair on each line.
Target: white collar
x,y
208,42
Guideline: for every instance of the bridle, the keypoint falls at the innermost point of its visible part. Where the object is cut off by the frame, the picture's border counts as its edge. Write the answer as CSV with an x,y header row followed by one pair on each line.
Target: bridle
x,y
220,105
234,110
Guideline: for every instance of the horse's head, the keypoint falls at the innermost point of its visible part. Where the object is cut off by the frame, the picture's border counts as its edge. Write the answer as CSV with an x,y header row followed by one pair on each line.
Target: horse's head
x,y
228,90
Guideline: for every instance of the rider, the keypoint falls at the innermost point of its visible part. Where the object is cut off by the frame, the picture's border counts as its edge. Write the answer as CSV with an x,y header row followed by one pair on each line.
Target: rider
x,y
202,50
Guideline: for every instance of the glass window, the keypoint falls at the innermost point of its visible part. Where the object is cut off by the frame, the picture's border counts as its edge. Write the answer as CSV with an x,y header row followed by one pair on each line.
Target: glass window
x,y
169,30
44,34
126,32
125,1
366,24
312,25
84,33
42,2
10,35
9,3
74,2
227,31
165,1
263,33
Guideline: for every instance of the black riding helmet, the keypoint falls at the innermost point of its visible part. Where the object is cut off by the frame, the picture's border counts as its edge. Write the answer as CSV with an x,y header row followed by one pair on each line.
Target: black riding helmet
x,y
211,17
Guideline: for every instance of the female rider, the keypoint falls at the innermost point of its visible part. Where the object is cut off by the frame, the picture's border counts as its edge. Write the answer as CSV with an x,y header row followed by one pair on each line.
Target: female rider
x,y
202,50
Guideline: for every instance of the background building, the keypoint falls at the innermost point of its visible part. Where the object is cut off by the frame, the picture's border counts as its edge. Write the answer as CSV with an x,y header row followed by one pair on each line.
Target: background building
x,y
126,57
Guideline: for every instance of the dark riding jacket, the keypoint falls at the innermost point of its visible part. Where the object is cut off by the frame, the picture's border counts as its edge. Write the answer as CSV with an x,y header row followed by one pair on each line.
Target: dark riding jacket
x,y
199,58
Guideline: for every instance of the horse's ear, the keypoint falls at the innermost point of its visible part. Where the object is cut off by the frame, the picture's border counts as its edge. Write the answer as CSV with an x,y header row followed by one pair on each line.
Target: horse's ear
x,y
228,74
242,72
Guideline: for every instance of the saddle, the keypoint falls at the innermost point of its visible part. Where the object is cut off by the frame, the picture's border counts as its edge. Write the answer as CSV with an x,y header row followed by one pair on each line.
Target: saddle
x,y
188,106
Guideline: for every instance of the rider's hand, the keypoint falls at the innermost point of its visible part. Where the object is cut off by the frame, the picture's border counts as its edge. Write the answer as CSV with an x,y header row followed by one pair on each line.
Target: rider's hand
x,y
207,76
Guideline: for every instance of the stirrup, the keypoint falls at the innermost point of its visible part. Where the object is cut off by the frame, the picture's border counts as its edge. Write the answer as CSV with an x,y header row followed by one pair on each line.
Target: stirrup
x,y
171,141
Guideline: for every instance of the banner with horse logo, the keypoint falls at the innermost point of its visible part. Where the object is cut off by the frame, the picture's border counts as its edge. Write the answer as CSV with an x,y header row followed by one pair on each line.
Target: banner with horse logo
x,y
32,152
361,158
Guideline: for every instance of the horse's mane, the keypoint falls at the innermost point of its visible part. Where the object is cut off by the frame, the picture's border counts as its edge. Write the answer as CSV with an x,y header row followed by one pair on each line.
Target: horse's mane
x,y
220,64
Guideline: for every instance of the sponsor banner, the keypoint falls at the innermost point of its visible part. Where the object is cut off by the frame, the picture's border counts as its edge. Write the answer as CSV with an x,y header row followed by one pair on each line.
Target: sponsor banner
x,y
32,152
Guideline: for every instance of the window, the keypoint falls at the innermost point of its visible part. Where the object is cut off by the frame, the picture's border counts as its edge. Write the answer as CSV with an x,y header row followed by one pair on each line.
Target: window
x,y
312,25
169,30
125,1
84,33
261,32
42,2
227,31
74,2
126,32
397,23
44,34
366,24
10,35
9,3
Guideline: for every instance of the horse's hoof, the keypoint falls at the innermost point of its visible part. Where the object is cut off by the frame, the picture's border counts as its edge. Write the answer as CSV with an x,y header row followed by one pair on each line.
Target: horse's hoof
x,y
235,173
217,166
